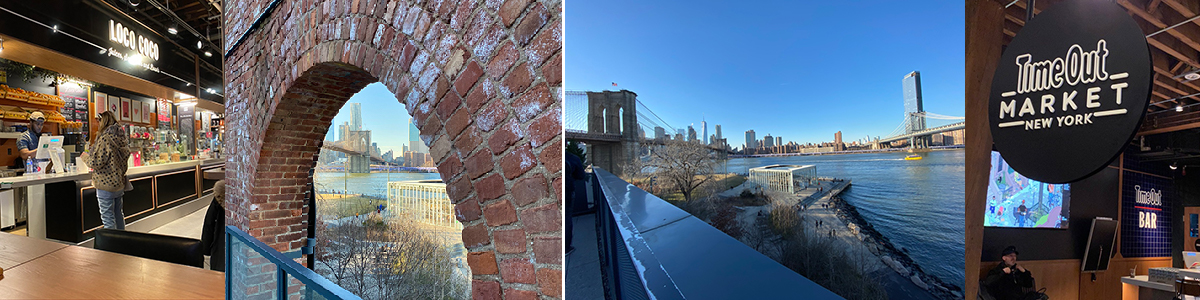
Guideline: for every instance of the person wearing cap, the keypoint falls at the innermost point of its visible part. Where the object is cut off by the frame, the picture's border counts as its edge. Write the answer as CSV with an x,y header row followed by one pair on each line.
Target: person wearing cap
x,y
1009,281
28,142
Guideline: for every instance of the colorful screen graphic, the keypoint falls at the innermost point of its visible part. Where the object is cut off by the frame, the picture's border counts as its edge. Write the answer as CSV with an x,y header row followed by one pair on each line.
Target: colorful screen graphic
x,y
1016,201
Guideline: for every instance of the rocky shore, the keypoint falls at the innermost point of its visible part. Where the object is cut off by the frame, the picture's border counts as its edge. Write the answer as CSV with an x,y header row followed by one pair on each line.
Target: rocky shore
x,y
895,258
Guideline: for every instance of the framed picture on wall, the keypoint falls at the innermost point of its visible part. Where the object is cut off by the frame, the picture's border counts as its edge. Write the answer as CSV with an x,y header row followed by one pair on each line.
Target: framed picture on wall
x,y
101,99
125,107
135,106
114,105
147,107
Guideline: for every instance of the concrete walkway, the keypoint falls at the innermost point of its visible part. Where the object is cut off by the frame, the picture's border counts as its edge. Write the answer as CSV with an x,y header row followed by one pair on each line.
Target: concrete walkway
x,y
584,280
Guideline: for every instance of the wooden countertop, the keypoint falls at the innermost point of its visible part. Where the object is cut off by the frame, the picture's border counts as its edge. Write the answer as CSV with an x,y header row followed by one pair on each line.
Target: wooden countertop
x,y
28,180
73,272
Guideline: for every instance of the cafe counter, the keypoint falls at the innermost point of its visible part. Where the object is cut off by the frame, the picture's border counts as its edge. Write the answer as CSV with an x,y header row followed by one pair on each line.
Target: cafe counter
x,y
64,207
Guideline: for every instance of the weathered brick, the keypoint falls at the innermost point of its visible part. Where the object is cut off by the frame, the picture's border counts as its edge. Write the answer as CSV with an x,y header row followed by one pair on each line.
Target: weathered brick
x,y
529,190
546,127
548,250
457,122
479,164
485,290
550,281
532,103
517,162
500,213
490,116
545,44
451,167
467,78
490,187
510,241
480,96
505,135
475,236
467,210
458,189
517,270
534,19
515,294
552,70
517,80
552,157
545,218
468,141
504,59
448,105
511,10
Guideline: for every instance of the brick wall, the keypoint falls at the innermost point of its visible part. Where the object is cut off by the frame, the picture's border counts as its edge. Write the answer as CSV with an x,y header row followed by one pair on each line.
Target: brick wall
x,y
482,79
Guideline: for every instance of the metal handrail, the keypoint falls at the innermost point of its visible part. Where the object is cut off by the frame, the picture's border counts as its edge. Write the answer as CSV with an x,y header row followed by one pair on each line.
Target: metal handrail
x,y
284,266
653,250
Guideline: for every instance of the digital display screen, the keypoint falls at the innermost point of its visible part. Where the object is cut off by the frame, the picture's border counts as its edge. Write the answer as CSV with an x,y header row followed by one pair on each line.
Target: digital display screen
x,y
1016,201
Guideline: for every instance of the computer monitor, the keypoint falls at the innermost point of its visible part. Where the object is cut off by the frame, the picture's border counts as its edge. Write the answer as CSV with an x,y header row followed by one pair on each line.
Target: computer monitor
x,y
1102,239
1191,260
50,150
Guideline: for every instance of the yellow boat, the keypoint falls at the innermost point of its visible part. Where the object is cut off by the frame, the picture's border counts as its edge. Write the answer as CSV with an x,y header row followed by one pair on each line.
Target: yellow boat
x,y
913,157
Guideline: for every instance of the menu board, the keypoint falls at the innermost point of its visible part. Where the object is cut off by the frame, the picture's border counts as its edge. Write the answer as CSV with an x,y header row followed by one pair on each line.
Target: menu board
x,y
75,100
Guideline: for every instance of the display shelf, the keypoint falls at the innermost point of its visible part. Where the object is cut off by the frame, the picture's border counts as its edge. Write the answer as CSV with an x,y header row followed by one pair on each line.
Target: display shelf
x,y
10,135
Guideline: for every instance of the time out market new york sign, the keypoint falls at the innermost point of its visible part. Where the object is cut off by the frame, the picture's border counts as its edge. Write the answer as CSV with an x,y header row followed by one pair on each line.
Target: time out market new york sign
x,y
1070,90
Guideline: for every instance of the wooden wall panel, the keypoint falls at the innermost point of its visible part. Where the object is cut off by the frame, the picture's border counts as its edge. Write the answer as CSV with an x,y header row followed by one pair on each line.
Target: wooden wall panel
x,y
984,36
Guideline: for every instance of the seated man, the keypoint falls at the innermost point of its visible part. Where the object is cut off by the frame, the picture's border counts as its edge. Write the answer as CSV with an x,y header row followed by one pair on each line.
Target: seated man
x,y
1009,281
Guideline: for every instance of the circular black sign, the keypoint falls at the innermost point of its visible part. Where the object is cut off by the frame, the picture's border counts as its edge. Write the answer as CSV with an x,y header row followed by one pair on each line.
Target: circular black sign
x,y
1070,91
1197,245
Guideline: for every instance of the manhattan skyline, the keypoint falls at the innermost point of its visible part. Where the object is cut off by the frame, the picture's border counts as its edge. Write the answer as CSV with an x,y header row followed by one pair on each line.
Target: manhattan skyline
x,y
382,114
804,84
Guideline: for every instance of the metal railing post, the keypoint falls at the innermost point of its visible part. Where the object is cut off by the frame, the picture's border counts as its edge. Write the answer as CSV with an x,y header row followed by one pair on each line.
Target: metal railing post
x,y
282,285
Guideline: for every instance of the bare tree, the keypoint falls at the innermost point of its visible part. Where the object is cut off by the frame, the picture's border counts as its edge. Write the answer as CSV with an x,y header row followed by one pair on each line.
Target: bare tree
x,y
683,166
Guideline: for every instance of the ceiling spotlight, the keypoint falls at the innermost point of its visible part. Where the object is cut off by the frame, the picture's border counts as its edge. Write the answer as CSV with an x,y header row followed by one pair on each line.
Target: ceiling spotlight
x,y
207,53
189,84
55,28
103,51
1189,75
210,91
1174,165
172,30
199,45
1179,108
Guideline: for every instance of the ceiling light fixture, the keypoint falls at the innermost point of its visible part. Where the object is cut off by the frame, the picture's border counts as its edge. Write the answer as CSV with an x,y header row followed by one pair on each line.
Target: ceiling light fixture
x,y
199,45
55,28
1179,108
1,45
210,91
207,53
1174,165
172,30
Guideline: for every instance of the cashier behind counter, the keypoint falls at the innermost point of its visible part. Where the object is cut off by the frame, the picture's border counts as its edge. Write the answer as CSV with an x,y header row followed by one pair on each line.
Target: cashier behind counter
x,y
29,141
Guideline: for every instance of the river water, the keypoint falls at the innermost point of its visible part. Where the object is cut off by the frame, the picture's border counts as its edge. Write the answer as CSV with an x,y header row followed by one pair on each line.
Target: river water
x,y
918,205
364,183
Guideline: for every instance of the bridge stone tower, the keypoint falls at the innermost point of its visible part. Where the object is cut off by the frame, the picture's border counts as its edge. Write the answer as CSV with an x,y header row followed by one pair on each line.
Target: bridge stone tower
x,y
613,113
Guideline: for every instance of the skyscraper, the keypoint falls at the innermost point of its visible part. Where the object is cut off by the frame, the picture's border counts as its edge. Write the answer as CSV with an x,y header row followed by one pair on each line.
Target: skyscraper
x,y
356,116
659,133
681,131
837,142
768,142
913,103
751,140
719,132
778,141
704,131
691,134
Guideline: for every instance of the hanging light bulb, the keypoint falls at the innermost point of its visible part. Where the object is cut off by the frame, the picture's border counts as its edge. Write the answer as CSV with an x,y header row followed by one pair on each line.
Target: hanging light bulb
x,y
1179,108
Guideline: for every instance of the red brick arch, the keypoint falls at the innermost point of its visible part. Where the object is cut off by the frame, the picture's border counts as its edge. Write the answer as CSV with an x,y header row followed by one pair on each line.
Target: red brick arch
x,y
481,78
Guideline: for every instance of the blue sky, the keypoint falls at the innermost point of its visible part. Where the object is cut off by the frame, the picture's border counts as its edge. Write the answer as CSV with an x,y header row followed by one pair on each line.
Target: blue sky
x,y
797,69
382,114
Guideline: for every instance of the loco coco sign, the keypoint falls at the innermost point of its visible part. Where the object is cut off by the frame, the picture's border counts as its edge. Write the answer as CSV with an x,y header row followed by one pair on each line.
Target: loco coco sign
x,y
1070,91
138,44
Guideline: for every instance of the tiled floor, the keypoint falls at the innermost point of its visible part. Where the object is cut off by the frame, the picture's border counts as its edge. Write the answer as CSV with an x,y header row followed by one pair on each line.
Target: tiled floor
x,y
583,265
190,226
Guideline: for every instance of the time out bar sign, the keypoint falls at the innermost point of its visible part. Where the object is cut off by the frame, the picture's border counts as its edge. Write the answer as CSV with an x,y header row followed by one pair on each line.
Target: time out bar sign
x,y
1070,91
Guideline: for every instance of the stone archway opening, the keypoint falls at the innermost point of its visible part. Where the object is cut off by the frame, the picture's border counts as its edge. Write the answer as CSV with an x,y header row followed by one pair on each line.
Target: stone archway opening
x,y
482,79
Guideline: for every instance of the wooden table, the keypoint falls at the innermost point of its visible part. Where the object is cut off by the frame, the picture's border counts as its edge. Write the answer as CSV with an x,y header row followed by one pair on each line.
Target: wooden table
x,y
18,249
73,272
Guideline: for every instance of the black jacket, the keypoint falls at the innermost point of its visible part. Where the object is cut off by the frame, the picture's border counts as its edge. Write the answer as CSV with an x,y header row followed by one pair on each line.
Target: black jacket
x,y
212,240
1011,286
